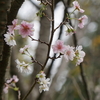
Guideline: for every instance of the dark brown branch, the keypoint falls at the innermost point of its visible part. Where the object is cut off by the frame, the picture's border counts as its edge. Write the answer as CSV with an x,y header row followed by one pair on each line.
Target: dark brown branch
x,y
35,61
24,98
52,33
62,23
38,40
54,57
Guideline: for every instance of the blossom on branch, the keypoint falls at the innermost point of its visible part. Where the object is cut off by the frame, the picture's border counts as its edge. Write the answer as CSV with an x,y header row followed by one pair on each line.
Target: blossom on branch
x,y
14,79
9,39
26,29
82,20
24,49
70,30
44,83
41,75
77,6
43,88
79,55
13,26
23,67
59,47
11,83
69,53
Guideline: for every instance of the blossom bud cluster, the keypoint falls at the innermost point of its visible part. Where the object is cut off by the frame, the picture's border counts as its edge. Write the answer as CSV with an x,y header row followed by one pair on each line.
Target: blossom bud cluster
x,y
24,29
43,81
11,83
69,52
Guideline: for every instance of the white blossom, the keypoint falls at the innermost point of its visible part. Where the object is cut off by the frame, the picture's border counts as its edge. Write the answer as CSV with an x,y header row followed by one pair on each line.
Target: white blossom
x,y
9,39
70,29
43,88
79,55
43,81
41,75
23,67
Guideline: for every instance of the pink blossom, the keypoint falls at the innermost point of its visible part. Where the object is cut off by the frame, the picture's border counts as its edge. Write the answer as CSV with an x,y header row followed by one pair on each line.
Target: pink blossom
x,y
26,29
69,53
82,20
13,26
77,6
15,78
9,81
5,89
59,47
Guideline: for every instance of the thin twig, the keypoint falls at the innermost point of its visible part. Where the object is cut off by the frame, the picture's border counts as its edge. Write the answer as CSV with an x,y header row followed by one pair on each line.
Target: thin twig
x,y
47,17
35,61
38,40
54,57
62,23
52,33
29,90
46,2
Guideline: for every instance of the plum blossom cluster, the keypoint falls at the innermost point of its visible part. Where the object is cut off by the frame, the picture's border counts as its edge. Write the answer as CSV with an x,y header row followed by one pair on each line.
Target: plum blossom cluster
x,y
43,81
24,29
69,52
81,21
11,83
